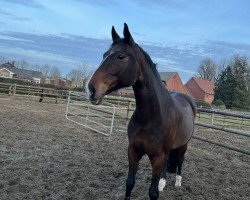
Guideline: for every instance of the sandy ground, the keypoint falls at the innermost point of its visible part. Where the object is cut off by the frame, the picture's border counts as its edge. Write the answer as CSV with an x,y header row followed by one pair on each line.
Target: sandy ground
x,y
45,156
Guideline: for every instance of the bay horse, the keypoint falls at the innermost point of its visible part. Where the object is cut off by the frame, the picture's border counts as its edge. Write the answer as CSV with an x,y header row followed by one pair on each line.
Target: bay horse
x,y
163,121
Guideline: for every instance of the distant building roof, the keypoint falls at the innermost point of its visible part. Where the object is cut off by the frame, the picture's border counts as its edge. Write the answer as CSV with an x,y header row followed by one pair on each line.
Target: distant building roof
x,y
206,85
58,78
30,73
10,67
165,76
21,73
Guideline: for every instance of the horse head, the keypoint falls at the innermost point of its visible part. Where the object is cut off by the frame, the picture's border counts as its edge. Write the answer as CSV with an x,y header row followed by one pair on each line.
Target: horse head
x,y
119,67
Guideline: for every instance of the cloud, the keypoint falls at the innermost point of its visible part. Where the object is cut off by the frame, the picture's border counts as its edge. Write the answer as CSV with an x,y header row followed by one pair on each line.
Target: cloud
x,y
13,16
10,38
29,3
21,18
99,3
37,54
174,4
139,34
68,48
2,12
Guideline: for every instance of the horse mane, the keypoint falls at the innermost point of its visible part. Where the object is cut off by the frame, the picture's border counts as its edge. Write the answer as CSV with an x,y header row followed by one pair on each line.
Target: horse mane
x,y
150,62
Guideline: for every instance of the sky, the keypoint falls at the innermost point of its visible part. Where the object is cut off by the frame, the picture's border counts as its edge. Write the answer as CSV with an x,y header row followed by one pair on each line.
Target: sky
x,y
177,34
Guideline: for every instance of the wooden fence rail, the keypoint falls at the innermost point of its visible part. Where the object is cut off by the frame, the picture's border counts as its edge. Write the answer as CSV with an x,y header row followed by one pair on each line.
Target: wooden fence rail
x,y
13,89
218,120
244,116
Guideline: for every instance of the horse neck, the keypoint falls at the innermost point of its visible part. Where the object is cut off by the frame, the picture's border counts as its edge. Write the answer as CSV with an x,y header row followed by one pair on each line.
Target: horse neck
x,y
150,95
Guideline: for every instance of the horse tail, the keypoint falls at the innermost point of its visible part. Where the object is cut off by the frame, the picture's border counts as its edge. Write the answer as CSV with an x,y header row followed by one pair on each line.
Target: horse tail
x,y
172,162
41,96
193,106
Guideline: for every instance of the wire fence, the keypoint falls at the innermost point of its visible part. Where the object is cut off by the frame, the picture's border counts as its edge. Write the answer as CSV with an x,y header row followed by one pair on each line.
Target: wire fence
x,y
99,119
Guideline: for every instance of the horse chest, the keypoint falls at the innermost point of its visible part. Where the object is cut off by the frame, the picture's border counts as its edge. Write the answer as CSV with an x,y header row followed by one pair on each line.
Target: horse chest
x,y
146,138
151,137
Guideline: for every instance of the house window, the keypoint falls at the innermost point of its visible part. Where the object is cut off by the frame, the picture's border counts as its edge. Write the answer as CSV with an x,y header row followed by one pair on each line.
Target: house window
x,y
36,80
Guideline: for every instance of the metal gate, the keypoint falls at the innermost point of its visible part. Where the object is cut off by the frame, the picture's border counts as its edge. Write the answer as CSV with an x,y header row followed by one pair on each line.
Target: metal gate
x,y
97,118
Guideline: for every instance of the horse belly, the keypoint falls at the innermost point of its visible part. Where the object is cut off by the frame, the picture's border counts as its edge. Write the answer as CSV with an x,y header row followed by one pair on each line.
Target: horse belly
x,y
184,132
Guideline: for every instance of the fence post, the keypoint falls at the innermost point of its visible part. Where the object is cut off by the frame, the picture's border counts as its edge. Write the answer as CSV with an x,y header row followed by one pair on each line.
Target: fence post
x,y
241,123
14,91
38,90
10,88
212,119
128,110
119,99
29,91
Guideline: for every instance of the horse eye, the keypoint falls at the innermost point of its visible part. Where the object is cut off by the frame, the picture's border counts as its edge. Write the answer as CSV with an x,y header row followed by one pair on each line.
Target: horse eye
x,y
121,56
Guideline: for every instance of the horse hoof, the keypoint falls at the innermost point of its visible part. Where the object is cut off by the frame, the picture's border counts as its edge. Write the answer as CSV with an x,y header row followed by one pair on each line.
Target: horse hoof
x,y
162,184
178,181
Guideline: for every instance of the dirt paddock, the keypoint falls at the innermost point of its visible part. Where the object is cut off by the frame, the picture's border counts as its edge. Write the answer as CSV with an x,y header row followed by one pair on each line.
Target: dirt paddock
x,y
45,156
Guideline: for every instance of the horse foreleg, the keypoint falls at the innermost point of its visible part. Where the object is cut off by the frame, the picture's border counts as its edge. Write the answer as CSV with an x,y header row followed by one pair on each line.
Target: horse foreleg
x,y
162,182
133,158
157,163
182,151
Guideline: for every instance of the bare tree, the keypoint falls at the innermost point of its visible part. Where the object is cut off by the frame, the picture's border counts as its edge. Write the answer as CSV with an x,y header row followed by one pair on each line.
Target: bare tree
x,y
36,67
3,60
207,69
45,70
22,64
80,74
55,72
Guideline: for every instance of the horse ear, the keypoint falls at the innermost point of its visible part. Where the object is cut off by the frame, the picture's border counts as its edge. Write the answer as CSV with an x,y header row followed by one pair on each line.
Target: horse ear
x,y
128,37
114,34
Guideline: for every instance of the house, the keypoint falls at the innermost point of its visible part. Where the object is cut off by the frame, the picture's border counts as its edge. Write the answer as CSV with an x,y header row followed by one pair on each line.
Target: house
x,y
172,82
58,82
201,89
5,73
8,70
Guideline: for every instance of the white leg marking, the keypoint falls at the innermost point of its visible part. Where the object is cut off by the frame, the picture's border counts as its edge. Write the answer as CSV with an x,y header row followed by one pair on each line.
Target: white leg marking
x,y
162,184
178,181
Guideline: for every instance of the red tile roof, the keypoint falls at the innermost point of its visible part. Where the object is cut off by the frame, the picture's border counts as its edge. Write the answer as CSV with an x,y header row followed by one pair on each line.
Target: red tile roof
x,y
206,85
166,76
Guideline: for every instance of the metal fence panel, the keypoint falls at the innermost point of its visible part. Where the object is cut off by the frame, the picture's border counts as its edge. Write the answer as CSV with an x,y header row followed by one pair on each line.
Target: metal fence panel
x,y
97,118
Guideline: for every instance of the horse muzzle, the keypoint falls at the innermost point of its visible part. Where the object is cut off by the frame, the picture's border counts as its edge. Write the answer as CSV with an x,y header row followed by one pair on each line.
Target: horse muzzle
x,y
96,94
